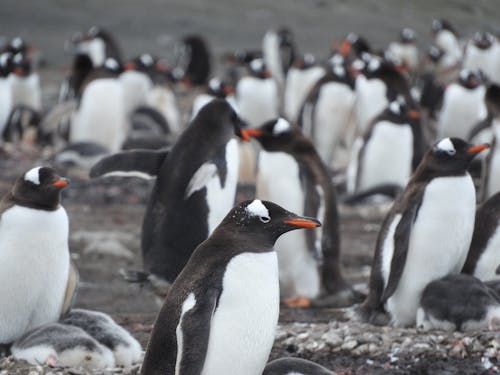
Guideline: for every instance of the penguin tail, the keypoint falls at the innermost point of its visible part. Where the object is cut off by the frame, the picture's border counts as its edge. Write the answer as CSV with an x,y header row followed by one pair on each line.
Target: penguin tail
x,y
387,190
134,163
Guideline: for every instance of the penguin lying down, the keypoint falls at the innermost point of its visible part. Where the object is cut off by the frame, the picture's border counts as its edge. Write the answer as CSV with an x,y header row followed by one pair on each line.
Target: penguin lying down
x,y
458,302
83,338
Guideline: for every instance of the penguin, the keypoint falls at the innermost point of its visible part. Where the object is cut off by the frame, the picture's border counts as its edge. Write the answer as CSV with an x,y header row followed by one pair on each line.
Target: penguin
x,y
294,366
125,348
37,281
137,81
25,83
196,178
221,314
463,105
193,59
300,79
432,89
279,51
291,173
426,235
353,46
257,95
483,259
481,52
61,345
458,303
18,45
5,89
389,150
328,112
98,43
406,49
216,88
446,38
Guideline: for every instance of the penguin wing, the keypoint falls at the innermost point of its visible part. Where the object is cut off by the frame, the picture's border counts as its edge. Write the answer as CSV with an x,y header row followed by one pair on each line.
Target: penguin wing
x,y
401,244
71,287
139,163
201,177
195,326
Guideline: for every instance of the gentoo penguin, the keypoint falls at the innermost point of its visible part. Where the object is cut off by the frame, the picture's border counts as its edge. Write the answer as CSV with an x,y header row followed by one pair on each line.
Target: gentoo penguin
x,y
37,282
426,235
137,81
25,83
481,52
221,314
98,44
18,45
291,173
328,110
458,303
446,38
405,49
389,150
197,178
126,349
61,345
193,59
491,178
257,95
279,51
352,46
463,105
294,366
483,260
5,89
300,79
216,88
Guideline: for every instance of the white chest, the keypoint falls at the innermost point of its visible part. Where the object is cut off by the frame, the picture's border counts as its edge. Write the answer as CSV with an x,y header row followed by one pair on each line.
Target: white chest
x,y
298,84
33,269
257,100
489,260
370,100
243,326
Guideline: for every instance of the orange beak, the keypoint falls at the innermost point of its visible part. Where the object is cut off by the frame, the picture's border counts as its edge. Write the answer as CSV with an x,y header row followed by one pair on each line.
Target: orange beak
x,y
413,114
61,183
18,71
477,148
129,66
247,133
345,47
228,90
303,222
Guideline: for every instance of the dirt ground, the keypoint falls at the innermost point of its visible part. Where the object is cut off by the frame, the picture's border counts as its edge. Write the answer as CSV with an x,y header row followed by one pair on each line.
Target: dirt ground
x,y
106,215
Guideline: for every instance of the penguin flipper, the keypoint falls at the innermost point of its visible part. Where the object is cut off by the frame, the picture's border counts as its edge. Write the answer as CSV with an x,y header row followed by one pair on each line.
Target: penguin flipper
x,y
401,244
71,288
139,163
195,339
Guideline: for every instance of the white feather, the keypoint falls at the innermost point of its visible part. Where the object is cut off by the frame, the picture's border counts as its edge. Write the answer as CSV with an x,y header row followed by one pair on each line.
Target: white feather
x,y
371,99
257,100
136,87
26,91
164,101
271,55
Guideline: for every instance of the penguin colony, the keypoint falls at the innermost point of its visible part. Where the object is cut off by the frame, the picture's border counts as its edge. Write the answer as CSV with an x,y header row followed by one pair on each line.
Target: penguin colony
x,y
357,125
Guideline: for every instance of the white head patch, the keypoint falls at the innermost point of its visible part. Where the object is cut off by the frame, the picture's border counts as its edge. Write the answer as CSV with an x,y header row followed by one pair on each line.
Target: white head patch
x,y
146,59
281,126
257,65
33,175
16,42
395,108
257,208
214,84
111,64
4,57
446,145
374,64
339,70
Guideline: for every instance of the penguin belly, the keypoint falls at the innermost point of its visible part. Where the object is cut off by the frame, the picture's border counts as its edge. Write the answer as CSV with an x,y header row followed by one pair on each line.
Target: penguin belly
x,y
438,244
271,54
370,100
332,115
489,261
164,101
244,323
136,86
387,156
462,109
26,91
297,86
278,180
101,117
257,100
34,268
5,102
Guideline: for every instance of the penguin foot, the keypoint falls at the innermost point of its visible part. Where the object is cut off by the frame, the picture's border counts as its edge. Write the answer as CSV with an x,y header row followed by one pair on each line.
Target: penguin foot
x,y
374,317
51,361
301,302
343,298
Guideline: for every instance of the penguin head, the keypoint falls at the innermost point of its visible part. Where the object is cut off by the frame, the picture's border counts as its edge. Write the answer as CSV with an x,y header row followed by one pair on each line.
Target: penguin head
x,y
398,111
353,45
439,25
144,63
21,64
304,61
112,66
451,156
40,187
258,68
483,40
219,115
407,35
470,78
434,54
219,88
264,221
18,45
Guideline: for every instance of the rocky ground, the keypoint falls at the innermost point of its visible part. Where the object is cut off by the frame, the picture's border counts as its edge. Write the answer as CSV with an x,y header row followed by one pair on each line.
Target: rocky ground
x,y
105,215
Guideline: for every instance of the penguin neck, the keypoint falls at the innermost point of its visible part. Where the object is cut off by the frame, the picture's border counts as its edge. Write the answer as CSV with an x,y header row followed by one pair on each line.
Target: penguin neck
x,y
12,199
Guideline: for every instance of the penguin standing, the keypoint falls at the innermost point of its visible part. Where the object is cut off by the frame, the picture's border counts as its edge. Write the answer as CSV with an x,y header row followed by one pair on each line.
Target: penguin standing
x,y
5,89
483,260
328,111
279,51
300,79
196,179
221,314
458,303
426,234
388,152
193,59
446,39
482,52
291,172
463,105
405,50
25,83
294,366
97,43
37,282
216,88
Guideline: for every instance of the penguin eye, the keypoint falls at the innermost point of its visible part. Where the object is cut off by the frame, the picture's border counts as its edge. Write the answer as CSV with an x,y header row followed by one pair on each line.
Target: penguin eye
x,y
265,219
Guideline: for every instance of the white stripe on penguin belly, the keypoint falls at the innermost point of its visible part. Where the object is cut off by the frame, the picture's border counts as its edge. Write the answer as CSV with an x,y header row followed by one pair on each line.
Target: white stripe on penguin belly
x,y
244,323
489,260
278,181
219,199
439,242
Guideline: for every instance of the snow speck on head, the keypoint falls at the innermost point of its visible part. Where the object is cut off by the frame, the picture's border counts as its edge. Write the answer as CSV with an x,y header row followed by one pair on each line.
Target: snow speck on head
x,y
446,145
257,208
33,175
281,126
